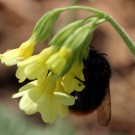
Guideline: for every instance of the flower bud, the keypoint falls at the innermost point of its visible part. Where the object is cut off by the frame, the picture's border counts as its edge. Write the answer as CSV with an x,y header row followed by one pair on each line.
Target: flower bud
x,y
44,26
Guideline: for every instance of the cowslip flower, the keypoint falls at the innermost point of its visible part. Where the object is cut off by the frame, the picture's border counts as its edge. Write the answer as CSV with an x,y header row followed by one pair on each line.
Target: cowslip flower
x,y
13,56
74,78
57,71
45,96
34,67
59,60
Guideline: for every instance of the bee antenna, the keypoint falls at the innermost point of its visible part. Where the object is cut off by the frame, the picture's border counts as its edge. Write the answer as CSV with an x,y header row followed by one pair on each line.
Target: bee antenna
x,y
79,79
92,47
103,53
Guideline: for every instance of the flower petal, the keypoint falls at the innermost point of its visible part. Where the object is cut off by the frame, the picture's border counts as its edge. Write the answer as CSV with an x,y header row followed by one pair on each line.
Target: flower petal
x,y
56,63
64,98
63,110
28,105
35,70
20,74
9,58
69,85
23,90
48,109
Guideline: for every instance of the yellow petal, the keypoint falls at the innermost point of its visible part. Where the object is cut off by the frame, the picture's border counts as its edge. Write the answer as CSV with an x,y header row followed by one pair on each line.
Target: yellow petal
x,y
77,70
70,83
24,90
30,60
49,109
20,94
64,98
56,63
28,105
29,86
20,74
63,110
9,58
26,49
29,102
35,70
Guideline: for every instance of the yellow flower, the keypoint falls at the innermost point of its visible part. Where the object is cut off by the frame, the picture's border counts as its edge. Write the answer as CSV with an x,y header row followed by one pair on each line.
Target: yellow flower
x,y
73,79
13,56
44,96
59,60
34,66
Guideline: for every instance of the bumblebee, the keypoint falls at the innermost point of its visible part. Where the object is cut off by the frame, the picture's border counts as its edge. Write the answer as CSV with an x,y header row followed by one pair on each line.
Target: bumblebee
x,y
96,94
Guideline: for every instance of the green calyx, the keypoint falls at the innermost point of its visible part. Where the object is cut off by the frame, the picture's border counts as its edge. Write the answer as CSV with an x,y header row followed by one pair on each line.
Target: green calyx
x,y
44,26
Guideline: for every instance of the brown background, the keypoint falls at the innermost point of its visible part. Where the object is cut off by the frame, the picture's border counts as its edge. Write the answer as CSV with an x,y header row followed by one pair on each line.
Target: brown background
x,y
17,19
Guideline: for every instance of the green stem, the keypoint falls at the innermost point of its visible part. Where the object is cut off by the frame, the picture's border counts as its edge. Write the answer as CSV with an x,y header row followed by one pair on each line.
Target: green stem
x,y
108,18
122,34
83,8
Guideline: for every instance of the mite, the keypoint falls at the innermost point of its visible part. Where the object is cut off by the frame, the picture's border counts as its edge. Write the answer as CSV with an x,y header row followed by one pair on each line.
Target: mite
x,y
96,94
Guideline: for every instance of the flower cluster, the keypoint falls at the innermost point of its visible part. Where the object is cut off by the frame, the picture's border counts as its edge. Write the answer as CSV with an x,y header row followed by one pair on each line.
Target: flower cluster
x,y
52,72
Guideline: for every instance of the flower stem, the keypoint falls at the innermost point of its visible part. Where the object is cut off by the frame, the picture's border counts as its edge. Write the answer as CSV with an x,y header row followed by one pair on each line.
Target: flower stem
x,y
83,8
122,34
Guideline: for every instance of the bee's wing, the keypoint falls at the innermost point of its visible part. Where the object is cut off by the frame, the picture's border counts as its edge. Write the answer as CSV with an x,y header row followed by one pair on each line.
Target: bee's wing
x,y
104,110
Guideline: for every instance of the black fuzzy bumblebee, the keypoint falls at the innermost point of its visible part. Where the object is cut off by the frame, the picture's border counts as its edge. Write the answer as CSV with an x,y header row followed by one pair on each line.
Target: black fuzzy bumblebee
x,y
96,94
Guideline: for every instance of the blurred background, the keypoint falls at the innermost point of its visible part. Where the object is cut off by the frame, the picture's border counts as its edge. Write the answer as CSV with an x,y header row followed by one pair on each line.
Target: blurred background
x,y
17,19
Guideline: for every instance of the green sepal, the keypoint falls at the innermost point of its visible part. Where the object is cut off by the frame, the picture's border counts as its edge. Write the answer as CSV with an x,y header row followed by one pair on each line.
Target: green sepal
x,y
43,27
64,33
